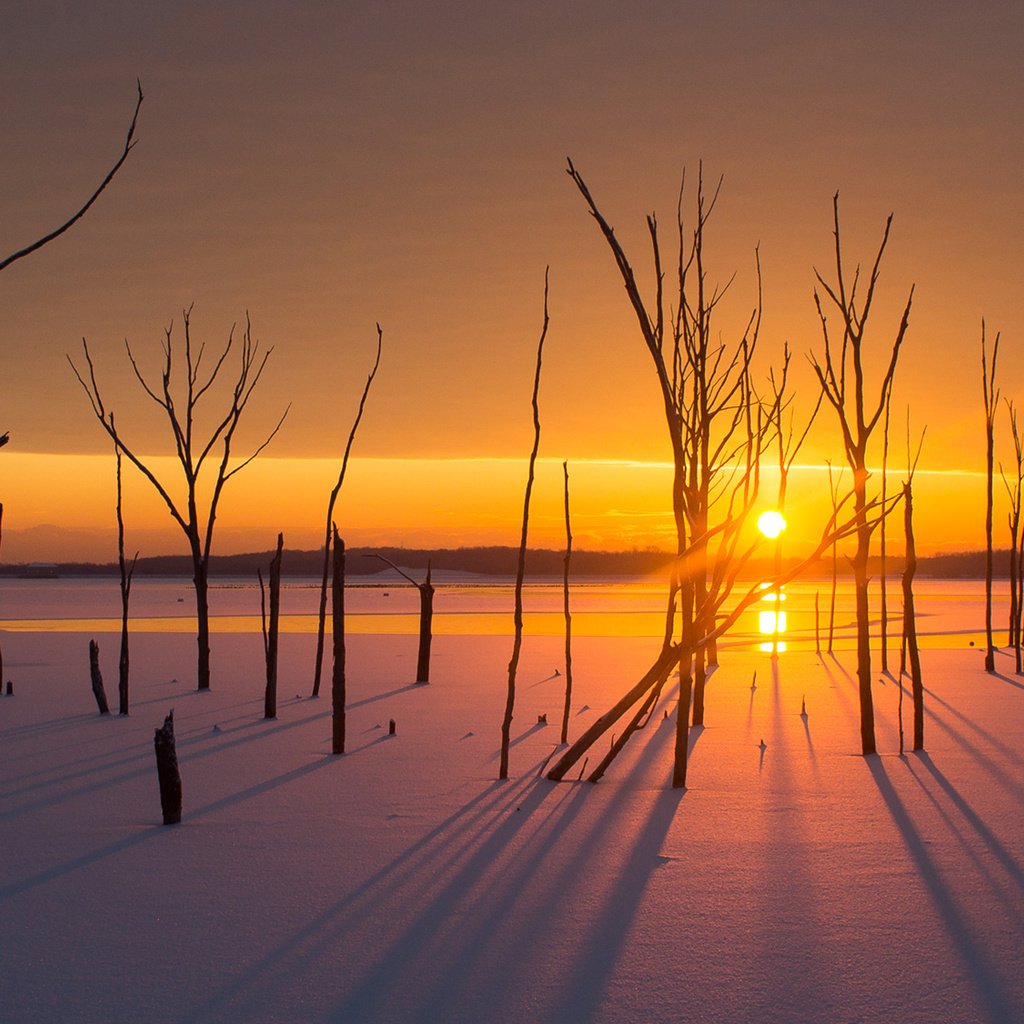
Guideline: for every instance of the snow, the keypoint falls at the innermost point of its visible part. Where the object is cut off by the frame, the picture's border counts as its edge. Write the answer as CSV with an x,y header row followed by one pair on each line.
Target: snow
x,y
403,882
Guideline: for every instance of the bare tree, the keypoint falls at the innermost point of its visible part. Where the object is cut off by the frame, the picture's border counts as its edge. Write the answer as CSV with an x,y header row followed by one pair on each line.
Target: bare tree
x,y
126,572
1014,492
909,616
833,490
129,145
990,393
840,371
193,454
517,643
271,627
566,612
718,431
331,501
883,598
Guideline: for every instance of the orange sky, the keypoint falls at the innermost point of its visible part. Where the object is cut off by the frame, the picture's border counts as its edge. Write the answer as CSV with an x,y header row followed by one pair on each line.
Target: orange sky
x,y
329,166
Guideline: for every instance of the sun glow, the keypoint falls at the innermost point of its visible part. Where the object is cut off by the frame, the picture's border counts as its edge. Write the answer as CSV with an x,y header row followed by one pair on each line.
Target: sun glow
x,y
771,523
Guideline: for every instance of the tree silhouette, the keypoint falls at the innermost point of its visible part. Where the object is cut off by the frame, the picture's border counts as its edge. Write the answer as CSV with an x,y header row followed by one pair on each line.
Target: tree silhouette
x,y
329,531
990,394
840,371
180,403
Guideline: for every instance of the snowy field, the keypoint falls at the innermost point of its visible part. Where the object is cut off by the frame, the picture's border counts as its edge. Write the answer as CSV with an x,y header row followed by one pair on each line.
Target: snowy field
x,y
402,882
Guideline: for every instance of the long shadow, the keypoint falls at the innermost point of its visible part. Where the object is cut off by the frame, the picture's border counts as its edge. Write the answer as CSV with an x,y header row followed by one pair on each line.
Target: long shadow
x,y
1010,864
265,729
94,856
258,983
988,988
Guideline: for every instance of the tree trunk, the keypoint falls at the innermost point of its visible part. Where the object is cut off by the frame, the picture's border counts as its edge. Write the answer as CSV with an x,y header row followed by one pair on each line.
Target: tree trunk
x,y
271,631
567,613
97,679
426,629
201,581
679,760
860,566
167,771
909,621
338,633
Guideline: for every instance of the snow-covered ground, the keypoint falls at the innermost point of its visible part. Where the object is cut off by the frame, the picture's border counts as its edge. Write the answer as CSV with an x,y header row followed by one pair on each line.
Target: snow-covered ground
x,y
403,882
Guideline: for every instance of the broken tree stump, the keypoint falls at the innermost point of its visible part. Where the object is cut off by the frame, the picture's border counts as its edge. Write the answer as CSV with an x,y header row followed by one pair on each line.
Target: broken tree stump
x,y
167,771
97,679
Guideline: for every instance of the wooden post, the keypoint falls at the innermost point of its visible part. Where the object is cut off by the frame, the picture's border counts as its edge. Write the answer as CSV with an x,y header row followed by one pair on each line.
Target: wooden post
x,y
270,630
167,771
338,634
97,679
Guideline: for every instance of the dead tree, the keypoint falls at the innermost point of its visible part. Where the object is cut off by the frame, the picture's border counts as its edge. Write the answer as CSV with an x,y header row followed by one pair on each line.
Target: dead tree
x,y
338,695
129,145
718,431
167,771
180,404
126,573
1014,492
271,627
426,590
517,643
909,619
97,679
672,652
883,608
840,371
990,394
567,613
331,501
833,490
789,444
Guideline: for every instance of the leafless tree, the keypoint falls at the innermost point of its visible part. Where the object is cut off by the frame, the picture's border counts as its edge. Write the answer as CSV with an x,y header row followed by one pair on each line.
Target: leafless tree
x,y
517,643
833,490
126,572
909,616
194,454
883,597
129,145
718,431
1014,491
990,393
841,373
566,611
331,501
271,626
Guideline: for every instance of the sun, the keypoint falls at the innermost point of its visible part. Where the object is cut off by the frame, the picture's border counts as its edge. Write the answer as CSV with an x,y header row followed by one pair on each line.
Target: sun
x,y
771,523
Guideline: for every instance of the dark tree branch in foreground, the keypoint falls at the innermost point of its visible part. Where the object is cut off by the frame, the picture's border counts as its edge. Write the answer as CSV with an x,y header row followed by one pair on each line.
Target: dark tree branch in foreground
x,y
1015,493
167,771
192,452
129,145
909,617
513,665
322,613
97,678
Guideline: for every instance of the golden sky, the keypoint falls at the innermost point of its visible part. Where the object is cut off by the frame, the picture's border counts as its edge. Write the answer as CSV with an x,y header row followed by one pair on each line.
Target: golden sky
x,y
326,166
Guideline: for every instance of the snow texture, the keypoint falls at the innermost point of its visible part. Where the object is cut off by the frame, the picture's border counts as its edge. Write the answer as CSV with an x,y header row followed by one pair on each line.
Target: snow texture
x,y
794,882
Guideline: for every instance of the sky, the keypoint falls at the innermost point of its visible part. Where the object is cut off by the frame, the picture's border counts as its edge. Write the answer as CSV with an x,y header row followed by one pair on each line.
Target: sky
x,y
324,167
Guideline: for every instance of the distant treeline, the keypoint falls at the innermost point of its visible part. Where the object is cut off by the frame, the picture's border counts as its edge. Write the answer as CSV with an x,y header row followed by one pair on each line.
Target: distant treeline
x,y
499,561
